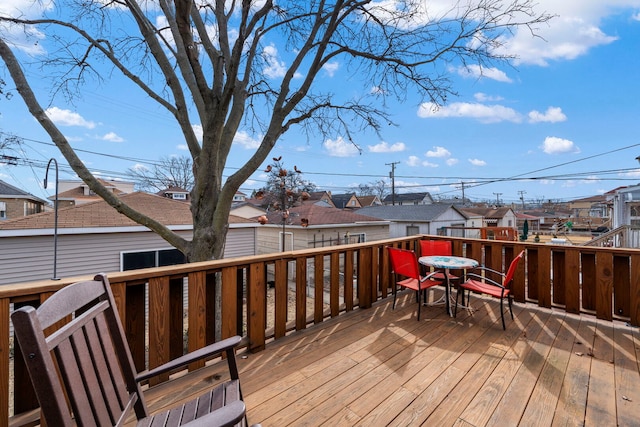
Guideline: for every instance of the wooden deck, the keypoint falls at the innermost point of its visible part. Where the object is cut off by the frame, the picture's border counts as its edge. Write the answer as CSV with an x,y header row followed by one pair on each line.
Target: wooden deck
x,y
380,366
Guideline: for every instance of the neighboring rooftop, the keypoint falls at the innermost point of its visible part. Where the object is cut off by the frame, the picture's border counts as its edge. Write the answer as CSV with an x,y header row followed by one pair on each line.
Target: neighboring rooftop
x,y
99,214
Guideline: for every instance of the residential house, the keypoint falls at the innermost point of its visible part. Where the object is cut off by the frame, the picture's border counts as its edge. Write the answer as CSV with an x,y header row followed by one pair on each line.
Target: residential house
x,y
239,197
408,220
369,201
346,201
314,225
74,192
625,204
325,196
408,199
16,203
175,193
94,237
493,217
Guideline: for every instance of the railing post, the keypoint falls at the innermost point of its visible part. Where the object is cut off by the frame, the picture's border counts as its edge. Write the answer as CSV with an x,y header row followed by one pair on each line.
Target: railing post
x,y
572,280
257,294
197,321
301,293
281,297
604,285
159,325
634,290
365,279
4,363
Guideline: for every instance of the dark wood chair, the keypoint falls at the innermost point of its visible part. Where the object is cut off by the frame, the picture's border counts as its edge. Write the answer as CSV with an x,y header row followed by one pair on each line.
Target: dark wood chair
x,y
83,372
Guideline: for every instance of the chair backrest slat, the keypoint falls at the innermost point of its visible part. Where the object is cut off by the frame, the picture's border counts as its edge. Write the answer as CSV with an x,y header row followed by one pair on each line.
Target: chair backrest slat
x,y
435,247
508,278
87,359
404,262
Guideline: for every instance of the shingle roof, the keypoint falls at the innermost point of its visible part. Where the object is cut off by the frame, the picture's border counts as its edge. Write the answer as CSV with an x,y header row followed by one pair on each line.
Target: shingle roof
x,y
319,215
406,197
99,214
494,213
9,191
407,212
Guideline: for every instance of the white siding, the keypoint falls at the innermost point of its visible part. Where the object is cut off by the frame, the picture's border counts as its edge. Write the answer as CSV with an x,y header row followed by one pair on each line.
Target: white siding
x,y
24,259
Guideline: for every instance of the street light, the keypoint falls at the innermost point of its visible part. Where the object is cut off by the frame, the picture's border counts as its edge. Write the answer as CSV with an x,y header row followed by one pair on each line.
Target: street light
x,y
55,218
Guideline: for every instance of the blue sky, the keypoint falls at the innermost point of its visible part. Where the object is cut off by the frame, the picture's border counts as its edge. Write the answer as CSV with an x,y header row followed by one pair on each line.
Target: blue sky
x,y
563,123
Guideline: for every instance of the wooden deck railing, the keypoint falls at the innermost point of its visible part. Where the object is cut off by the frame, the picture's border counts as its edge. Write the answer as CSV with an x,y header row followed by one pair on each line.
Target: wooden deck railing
x,y
171,310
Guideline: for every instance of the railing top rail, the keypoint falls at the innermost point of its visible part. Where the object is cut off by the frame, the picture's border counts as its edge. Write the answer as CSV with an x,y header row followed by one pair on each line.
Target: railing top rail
x,y
27,289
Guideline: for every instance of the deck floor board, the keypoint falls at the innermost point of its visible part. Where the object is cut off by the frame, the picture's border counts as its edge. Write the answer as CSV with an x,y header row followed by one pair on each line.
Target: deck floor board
x,y
381,366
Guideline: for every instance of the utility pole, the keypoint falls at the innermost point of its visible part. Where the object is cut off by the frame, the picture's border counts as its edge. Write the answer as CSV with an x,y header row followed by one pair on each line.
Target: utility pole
x,y
462,186
498,199
522,193
392,175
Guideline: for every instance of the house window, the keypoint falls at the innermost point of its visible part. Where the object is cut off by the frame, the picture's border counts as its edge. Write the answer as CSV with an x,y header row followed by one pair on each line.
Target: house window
x,y
179,196
3,210
31,208
147,259
412,230
355,238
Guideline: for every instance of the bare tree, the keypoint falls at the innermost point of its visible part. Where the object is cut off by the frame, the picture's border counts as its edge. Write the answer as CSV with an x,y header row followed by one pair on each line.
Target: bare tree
x,y
375,188
172,171
211,63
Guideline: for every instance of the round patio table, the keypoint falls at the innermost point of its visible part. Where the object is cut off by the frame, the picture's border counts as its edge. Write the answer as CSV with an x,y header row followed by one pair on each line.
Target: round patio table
x,y
448,262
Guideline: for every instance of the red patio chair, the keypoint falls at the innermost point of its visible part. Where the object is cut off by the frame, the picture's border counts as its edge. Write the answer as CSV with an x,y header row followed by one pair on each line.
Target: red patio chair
x,y
438,247
83,373
404,263
481,284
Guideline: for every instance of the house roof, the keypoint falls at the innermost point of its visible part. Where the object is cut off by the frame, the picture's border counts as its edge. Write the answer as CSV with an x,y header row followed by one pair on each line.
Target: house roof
x,y
416,213
342,200
99,214
320,215
78,193
407,197
9,191
489,213
368,200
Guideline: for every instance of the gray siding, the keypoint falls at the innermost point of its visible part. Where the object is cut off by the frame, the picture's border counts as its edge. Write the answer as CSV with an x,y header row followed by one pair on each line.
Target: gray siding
x,y
25,259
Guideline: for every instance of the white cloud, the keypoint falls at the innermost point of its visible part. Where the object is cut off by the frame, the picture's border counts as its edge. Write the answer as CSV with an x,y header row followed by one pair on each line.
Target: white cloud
x,y
68,118
413,161
552,115
452,162
384,147
438,152
183,147
478,71
340,148
274,68
483,97
481,112
477,162
139,167
572,33
555,145
331,68
112,137
246,141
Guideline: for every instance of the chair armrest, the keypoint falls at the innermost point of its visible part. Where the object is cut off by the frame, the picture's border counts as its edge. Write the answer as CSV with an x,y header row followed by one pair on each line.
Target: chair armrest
x,y
208,351
428,276
490,270
228,415
486,280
